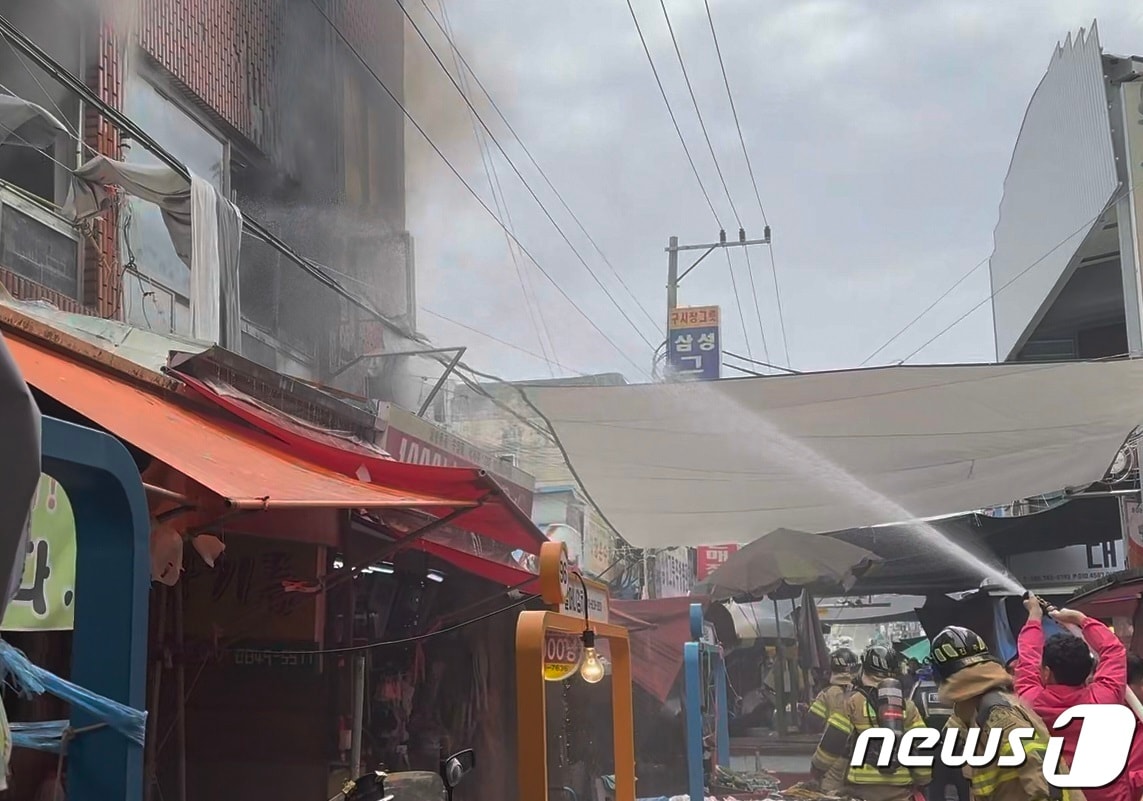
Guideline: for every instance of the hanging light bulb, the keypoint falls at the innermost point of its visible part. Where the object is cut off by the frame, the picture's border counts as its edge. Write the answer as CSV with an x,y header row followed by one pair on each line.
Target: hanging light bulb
x,y
592,668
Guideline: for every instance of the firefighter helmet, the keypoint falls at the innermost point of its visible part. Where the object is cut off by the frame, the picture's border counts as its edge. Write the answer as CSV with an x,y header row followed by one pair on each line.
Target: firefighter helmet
x,y
880,661
956,648
843,660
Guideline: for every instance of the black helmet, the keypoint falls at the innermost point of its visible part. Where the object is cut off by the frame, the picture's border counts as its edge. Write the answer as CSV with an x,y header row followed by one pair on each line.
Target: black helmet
x,y
879,661
843,660
956,648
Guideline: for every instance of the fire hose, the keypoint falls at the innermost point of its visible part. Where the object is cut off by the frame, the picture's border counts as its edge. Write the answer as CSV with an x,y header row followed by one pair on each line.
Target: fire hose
x,y
1130,698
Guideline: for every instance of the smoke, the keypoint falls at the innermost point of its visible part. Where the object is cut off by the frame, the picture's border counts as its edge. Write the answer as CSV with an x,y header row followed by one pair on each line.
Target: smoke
x,y
438,107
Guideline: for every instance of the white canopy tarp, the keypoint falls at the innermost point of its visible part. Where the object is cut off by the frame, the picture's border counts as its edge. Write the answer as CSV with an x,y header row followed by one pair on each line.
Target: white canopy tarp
x,y
728,461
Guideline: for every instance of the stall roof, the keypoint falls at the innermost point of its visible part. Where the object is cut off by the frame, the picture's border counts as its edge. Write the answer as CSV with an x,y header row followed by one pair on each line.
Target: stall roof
x,y
237,465
670,463
909,565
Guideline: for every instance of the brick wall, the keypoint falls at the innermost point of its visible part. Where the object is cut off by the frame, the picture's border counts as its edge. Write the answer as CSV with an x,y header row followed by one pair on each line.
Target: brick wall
x,y
221,51
102,276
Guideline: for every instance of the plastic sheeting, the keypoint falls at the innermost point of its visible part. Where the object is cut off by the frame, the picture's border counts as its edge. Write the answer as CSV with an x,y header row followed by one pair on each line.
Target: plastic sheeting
x,y
30,680
728,461
43,735
205,228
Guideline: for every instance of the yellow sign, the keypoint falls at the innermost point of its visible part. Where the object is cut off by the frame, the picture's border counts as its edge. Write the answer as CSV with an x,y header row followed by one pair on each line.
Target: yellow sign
x,y
694,317
562,655
46,598
555,573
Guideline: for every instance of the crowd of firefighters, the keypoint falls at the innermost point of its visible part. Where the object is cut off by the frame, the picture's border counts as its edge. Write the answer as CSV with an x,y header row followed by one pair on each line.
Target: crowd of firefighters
x,y
963,686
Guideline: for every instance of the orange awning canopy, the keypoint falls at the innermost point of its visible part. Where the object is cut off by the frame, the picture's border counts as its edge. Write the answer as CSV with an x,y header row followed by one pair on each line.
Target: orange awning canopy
x,y
232,462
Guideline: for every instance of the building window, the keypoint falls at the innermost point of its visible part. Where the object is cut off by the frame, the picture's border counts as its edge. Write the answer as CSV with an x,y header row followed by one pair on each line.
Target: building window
x,y
156,285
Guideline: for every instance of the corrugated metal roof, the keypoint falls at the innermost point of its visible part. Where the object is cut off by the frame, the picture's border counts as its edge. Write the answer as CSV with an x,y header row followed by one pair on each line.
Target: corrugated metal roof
x,y
144,348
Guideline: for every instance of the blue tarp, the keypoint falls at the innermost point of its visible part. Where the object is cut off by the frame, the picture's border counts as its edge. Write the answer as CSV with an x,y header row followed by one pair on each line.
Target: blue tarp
x,y
30,680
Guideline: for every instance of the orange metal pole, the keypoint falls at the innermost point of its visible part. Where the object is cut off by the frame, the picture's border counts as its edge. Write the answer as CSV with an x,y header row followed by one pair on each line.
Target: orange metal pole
x,y
531,709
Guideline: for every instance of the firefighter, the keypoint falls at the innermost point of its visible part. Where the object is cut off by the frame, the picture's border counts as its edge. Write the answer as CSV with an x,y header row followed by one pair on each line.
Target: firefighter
x,y
936,715
979,690
843,664
876,701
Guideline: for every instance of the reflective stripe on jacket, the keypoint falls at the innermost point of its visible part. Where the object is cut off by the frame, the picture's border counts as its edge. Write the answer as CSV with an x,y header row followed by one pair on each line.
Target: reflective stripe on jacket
x,y
840,739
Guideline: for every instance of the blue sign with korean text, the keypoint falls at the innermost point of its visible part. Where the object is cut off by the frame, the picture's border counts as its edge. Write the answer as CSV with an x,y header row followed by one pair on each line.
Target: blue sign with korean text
x,y
694,347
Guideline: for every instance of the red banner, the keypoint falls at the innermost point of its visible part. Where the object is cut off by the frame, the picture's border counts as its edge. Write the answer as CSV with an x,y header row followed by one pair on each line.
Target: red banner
x,y
711,558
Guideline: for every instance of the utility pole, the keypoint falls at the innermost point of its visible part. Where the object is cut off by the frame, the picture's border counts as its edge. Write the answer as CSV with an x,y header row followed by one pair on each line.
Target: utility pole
x,y
673,250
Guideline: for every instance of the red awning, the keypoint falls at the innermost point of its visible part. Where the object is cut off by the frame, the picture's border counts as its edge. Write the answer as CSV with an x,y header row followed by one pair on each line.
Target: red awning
x,y
498,518
657,652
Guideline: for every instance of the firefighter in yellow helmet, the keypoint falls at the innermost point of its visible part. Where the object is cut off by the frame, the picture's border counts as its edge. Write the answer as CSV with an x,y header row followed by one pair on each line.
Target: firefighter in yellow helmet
x,y
876,701
844,664
979,690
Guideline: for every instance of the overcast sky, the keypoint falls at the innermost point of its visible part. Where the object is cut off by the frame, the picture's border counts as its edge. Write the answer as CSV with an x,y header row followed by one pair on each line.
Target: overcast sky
x,y
880,135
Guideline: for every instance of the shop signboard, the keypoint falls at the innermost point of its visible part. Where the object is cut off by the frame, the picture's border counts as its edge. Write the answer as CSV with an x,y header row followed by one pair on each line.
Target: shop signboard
x,y
711,558
673,576
569,592
598,546
46,598
412,439
694,343
1072,566
291,657
562,655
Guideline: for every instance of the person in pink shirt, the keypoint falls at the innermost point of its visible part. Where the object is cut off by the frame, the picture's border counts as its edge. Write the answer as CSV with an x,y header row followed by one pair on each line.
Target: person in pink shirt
x,y
1135,757
1055,675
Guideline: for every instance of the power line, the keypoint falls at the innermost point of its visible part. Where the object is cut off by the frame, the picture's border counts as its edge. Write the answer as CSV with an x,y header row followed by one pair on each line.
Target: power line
x,y
127,126
698,113
757,194
671,111
778,296
762,364
452,168
502,207
757,309
497,339
520,175
1016,277
737,300
734,110
559,196
930,307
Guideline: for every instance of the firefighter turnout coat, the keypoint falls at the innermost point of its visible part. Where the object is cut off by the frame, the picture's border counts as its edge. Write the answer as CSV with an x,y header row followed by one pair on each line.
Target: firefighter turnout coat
x,y
830,701
981,696
867,782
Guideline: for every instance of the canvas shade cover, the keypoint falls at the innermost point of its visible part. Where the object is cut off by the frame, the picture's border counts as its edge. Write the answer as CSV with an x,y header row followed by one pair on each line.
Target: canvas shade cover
x,y
783,562
726,461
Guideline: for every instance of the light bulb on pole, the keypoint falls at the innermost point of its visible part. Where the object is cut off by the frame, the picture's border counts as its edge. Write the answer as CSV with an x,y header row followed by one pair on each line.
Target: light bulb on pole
x,y
592,668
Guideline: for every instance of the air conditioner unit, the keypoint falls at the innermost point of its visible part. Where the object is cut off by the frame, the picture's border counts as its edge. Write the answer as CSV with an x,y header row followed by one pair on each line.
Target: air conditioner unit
x,y
38,244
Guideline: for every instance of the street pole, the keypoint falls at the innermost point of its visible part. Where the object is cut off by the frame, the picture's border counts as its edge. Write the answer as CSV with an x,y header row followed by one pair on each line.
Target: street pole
x,y
358,714
673,249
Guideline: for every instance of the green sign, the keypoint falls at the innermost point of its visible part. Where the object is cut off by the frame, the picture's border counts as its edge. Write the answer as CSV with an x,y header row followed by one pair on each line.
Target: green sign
x,y
46,599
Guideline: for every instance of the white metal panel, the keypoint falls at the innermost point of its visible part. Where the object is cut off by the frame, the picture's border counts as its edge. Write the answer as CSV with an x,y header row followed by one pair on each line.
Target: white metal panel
x,y
1061,178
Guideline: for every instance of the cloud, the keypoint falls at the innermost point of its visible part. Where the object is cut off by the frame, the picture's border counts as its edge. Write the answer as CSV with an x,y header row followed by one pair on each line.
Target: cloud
x,y
879,134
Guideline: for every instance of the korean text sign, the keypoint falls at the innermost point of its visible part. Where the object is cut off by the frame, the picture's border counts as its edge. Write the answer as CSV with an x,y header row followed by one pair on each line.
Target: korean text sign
x,y
46,598
694,343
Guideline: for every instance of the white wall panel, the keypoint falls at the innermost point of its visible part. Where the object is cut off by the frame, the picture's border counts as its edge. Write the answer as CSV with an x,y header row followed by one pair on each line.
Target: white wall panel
x,y
1061,178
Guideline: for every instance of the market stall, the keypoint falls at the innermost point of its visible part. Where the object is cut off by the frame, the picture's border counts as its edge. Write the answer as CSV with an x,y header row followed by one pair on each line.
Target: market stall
x,y
551,646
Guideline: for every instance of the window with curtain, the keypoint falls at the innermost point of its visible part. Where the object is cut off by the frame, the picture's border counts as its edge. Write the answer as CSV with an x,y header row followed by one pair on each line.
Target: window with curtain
x,y
157,289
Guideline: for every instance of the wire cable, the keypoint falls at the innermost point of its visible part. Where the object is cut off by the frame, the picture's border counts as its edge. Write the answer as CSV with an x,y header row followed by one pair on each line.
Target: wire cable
x,y
1018,276
928,309
674,120
520,175
757,193
737,300
778,296
559,196
698,112
757,308
498,340
452,168
493,176
761,364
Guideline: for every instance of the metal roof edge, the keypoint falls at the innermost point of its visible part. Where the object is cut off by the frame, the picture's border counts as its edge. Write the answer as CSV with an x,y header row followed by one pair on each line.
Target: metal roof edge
x,y
23,326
